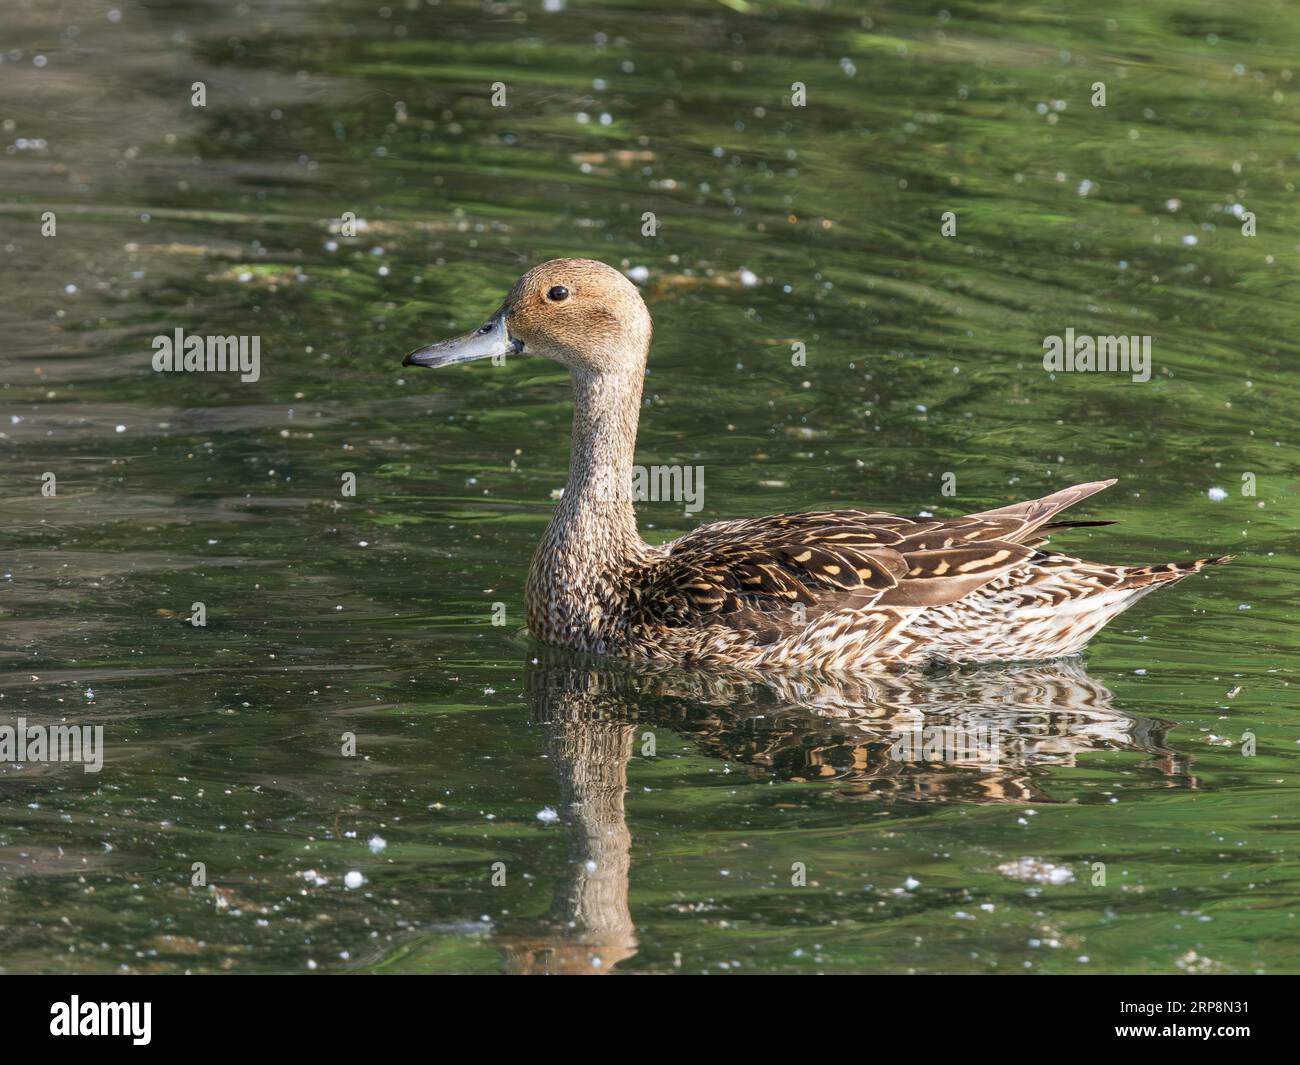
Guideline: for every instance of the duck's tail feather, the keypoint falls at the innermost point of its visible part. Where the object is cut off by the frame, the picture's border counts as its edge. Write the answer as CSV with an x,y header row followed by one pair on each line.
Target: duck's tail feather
x,y
1074,525
1045,532
1168,573
1034,513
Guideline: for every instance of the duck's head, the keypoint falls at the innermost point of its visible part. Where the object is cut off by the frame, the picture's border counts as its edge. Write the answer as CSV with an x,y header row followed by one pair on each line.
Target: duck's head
x,y
578,312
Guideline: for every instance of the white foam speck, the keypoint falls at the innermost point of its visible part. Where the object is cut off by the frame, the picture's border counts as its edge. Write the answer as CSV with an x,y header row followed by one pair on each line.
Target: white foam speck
x,y
1036,871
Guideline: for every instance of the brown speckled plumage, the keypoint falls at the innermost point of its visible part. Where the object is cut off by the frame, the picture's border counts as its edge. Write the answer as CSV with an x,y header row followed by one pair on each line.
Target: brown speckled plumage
x,y
837,591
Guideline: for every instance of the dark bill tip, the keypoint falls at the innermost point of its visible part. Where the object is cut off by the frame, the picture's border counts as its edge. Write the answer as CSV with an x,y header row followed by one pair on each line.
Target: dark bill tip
x,y
491,340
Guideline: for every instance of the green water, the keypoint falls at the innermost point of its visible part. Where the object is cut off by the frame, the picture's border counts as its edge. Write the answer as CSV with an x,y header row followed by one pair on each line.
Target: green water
x,y
701,824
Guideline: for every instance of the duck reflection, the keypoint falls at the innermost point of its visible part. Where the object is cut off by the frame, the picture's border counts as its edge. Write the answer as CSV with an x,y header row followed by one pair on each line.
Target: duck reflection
x,y
987,735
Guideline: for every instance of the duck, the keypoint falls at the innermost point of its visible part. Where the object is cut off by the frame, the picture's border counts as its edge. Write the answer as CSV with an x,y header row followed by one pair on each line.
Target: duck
x,y
833,591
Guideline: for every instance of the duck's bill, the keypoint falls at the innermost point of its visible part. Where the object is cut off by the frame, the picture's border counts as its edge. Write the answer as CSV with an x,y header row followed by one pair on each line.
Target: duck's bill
x,y
490,341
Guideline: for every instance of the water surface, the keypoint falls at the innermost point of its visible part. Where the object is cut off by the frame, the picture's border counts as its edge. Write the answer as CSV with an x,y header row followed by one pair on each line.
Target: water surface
x,y
688,823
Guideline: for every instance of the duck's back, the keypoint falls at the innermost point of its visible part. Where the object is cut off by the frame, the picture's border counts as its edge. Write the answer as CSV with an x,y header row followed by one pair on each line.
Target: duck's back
x,y
846,590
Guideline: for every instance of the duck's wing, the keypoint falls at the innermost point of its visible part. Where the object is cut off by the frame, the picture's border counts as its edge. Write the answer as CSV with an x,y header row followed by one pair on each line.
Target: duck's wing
x,y
774,575
791,563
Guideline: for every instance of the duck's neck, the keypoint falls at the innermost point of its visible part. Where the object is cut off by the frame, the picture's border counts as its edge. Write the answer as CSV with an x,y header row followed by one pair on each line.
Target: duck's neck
x,y
598,495
592,538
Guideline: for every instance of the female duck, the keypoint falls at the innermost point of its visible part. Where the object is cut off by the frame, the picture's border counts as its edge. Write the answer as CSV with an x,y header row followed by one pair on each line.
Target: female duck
x,y
837,590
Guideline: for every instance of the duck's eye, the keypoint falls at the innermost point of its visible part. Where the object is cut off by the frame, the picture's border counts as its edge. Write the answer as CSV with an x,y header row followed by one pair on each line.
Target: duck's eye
x,y
557,293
